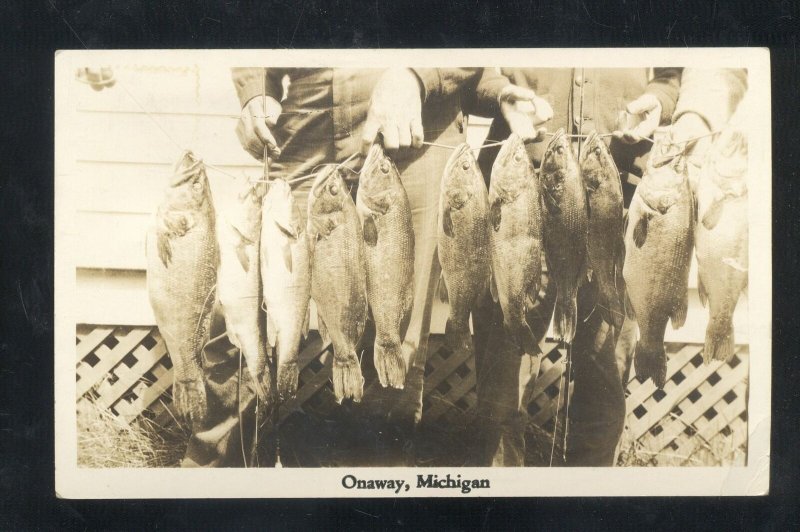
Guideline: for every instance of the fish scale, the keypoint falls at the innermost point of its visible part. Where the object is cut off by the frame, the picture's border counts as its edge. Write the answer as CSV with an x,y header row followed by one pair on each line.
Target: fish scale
x,y
339,278
239,284
286,280
658,248
606,247
182,258
463,243
385,214
516,239
722,238
565,230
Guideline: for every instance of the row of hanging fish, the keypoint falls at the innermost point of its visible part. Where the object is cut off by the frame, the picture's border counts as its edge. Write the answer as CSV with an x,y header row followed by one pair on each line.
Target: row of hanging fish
x,y
348,256
355,257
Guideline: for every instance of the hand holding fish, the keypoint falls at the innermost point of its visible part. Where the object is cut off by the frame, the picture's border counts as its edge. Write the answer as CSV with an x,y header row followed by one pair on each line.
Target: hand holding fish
x,y
523,111
253,126
642,118
395,111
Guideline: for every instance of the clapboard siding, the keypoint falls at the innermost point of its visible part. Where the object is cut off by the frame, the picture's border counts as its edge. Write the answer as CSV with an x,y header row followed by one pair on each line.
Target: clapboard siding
x,y
124,141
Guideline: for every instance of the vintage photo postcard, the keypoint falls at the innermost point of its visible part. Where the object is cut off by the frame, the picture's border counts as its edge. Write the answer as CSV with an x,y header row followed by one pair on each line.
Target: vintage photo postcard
x,y
412,273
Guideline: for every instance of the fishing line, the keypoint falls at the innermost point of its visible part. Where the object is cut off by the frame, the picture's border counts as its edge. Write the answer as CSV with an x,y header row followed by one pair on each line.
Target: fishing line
x,y
555,417
239,410
567,379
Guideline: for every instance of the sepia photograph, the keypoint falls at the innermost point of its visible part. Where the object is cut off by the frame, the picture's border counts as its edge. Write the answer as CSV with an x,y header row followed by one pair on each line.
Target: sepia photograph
x,y
389,274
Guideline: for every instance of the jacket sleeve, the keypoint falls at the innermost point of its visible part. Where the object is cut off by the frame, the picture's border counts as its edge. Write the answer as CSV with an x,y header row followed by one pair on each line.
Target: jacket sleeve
x,y
665,85
442,82
483,100
249,83
712,94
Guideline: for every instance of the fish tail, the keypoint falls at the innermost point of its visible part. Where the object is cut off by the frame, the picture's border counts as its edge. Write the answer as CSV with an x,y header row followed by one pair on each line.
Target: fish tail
x,y
348,383
651,362
389,364
527,341
288,374
719,340
190,400
458,337
565,318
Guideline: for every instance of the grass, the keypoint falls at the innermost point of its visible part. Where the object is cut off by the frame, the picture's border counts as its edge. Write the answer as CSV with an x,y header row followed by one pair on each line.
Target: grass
x,y
106,442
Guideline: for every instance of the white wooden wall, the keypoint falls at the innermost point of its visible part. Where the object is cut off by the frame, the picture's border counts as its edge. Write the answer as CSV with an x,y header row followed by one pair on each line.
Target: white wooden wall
x,y
123,142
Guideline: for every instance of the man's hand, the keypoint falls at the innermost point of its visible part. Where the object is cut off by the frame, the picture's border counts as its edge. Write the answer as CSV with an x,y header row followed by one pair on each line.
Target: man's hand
x,y
253,127
642,119
523,111
395,111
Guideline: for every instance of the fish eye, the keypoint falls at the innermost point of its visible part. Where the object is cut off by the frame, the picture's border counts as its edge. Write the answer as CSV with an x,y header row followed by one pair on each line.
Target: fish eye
x,y
465,165
197,186
597,151
385,166
517,157
333,189
560,150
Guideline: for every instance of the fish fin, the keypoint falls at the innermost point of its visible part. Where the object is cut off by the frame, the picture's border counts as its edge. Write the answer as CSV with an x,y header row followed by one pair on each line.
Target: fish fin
x,y
496,214
629,312
241,254
306,321
390,365
550,202
286,250
458,338
734,263
447,223
565,318
493,289
713,214
651,364
370,231
288,229
441,290
323,330
719,341
272,332
640,231
701,290
164,249
589,273
678,316
527,341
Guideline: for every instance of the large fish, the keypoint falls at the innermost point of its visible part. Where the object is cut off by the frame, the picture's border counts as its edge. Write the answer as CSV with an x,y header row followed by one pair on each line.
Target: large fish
x,y
239,283
182,258
286,279
339,280
722,237
658,249
606,245
516,238
463,243
385,214
565,230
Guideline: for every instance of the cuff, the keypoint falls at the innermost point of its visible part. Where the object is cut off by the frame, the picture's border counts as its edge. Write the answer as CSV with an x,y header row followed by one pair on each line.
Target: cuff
x,y
667,102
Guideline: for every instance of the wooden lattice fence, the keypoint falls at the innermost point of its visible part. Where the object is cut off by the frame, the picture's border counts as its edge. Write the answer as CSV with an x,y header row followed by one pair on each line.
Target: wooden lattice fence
x,y
701,410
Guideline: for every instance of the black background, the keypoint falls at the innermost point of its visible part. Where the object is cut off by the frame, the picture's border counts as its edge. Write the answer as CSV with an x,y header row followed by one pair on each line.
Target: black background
x,y
32,31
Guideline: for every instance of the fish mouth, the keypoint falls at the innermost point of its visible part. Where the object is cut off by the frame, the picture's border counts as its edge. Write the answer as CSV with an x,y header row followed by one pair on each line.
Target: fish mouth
x,y
374,156
188,168
321,180
459,150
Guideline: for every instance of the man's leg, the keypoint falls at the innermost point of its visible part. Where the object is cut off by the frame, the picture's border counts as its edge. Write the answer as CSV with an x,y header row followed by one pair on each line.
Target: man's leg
x,y
597,409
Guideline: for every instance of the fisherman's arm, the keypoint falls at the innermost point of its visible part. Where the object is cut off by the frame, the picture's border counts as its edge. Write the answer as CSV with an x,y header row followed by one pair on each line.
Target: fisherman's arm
x,y
707,99
495,96
257,88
